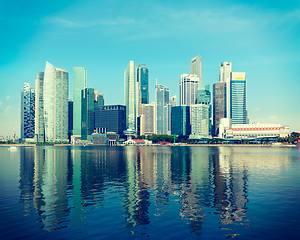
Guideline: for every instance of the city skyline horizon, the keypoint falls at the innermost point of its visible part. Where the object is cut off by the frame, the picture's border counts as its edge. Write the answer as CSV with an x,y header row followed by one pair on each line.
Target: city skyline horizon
x,y
258,38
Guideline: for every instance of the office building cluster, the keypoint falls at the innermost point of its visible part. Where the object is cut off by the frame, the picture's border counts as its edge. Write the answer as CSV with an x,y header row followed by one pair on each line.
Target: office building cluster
x,y
48,115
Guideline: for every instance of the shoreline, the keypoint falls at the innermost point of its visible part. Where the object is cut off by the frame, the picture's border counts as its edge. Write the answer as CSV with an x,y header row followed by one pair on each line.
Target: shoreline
x,y
183,145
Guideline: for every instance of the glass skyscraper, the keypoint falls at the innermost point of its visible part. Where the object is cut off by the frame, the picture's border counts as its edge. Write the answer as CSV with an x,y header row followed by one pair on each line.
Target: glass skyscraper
x,y
225,71
143,82
196,68
79,83
87,113
131,96
39,107
162,109
27,111
180,124
238,97
219,104
56,92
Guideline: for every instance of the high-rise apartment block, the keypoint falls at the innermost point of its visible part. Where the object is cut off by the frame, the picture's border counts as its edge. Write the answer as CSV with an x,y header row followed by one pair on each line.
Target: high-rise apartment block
x,y
79,83
27,111
56,93
188,86
200,121
131,96
162,109
238,97
196,68
39,108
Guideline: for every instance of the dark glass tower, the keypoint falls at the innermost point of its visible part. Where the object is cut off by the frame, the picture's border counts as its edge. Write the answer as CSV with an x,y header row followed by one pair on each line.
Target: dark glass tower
x,y
143,82
180,125
27,111
87,113
219,104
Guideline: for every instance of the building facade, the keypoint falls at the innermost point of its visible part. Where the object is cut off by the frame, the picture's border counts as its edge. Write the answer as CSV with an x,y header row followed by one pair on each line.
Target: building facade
x,y
225,71
56,93
219,105
196,68
70,123
131,96
150,118
79,83
188,86
27,111
39,108
200,123
87,113
162,109
110,118
143,83
180,121
238,97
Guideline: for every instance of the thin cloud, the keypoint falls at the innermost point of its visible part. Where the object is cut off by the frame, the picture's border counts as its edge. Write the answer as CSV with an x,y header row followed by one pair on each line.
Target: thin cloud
x,y
8,97
273,117
256,110
1,103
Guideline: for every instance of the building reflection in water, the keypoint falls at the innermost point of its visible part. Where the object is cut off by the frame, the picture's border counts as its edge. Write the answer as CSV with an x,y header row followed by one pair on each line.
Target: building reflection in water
x,y
62,184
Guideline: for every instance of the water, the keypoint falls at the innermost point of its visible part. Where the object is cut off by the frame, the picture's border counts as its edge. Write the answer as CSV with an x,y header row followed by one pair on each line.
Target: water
x,y
149,193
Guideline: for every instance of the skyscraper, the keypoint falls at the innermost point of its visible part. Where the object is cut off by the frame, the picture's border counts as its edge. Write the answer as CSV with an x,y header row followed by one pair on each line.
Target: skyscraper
x,y
204,97
238,97
188,86
27,111
131,96
225,70
87,113
143,83
219,104
200,124
196,68
180,121
162,109
150,118
39,108
56,92
70,120
79,83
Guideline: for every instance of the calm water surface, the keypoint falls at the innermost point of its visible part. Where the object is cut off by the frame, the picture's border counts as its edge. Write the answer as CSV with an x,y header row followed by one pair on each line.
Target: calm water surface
x,y
150,193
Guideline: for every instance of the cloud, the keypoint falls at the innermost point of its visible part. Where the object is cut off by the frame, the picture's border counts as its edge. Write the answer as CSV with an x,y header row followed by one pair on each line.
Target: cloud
x,y
8,97
273,117
256,110
7,109
1,103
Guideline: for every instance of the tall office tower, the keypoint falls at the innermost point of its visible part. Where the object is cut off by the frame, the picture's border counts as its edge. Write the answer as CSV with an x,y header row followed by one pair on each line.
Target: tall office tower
x,y
110,118
200,121
100,100
131,96
204,97
225,70
188,85
87,113
27,111
180,125
219,105
238,97
150,119
70,123
162,102
143,83
56,93
196,68
79,83
39,108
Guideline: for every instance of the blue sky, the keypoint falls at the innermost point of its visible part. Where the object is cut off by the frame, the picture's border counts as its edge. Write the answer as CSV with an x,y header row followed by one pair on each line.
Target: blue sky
x,y
260,38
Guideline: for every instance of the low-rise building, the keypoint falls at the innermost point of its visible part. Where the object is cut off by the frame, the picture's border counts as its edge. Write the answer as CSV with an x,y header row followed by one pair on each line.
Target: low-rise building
x,y
110,139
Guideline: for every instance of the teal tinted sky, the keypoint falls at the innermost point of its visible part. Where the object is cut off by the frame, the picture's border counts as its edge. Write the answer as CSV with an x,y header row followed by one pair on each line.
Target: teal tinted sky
x,y
260,38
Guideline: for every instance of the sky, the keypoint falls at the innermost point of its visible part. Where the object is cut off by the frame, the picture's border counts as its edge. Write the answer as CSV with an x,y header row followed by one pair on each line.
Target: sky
x,y
259,37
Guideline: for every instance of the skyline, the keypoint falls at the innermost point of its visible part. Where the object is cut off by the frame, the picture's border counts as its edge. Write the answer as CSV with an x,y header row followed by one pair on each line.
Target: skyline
x,y
260,38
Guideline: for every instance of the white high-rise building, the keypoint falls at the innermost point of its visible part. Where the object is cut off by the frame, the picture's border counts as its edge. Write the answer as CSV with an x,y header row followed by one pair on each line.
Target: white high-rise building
x,y
131,95
150,118
188,86
225,70
56,93
200,121
162,109
196,68
39,107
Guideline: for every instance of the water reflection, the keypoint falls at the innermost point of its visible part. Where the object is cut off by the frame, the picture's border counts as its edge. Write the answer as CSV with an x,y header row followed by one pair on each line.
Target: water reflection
x,y
64,186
